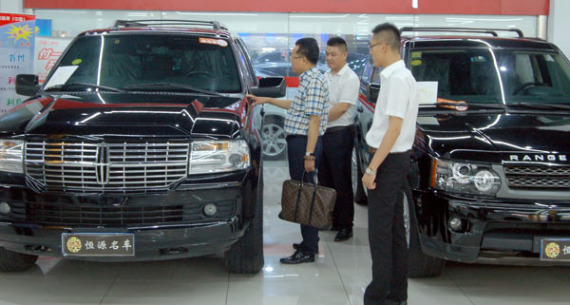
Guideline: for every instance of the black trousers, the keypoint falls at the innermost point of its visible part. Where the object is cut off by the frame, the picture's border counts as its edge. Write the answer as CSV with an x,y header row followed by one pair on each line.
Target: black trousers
x,y
296,148
335,170
387,234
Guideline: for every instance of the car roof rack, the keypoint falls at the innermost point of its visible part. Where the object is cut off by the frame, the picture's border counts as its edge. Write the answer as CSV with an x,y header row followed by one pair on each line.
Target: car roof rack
x,y
165,22
462,30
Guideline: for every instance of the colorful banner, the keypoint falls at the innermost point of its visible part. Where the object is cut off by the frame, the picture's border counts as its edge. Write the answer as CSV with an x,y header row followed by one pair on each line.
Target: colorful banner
x,y
17,35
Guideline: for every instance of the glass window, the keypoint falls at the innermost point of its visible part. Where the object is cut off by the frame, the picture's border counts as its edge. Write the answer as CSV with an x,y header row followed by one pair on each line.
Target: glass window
x,y
462,74
480,76
536,77
147,62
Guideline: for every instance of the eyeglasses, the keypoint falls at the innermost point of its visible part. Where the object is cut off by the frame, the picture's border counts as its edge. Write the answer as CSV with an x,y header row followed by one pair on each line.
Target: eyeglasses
x,y
374,44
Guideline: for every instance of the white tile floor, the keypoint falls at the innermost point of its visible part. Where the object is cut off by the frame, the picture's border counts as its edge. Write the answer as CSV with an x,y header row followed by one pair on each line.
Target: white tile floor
x,y
339,275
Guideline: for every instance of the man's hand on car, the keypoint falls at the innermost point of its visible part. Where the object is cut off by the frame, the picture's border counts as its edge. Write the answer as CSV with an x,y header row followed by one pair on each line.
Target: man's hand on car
x,y
256,100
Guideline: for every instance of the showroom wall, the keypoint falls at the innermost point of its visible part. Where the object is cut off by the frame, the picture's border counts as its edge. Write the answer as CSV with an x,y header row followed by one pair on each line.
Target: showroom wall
x,y
12,6
558,25
265,31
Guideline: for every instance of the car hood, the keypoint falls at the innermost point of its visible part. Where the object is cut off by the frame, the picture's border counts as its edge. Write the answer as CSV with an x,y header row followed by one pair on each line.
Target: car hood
x,y
127,115
495,137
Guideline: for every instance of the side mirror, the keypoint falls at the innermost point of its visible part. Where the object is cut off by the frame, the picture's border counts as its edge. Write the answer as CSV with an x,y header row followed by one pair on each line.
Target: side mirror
x,y
373,91
270,87
27,84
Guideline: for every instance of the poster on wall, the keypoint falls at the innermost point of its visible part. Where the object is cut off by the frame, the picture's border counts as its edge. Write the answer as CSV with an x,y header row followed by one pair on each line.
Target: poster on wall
x,y
17,34
48,51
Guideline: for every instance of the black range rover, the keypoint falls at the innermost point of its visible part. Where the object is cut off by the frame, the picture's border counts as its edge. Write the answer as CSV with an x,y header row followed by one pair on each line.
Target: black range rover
x,y
490,176
140,145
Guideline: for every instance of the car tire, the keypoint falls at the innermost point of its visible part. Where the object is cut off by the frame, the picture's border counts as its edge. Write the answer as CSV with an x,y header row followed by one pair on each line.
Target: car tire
x,y
13,261
274,138
246,255
419,264
360,195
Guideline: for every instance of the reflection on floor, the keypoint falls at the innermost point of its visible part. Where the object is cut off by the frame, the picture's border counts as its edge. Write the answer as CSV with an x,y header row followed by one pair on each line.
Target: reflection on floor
x,y
339,275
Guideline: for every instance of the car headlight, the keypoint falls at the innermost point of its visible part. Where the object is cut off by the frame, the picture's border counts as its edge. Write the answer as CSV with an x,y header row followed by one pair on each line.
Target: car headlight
x,y
468,178
12,156
218,156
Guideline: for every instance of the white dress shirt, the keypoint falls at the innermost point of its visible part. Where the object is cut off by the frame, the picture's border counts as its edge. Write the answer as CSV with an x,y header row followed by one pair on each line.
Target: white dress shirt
x,y
344,87
398,98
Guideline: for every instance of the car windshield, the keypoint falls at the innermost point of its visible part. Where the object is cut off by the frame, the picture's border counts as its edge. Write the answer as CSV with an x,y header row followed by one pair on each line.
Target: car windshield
x,y
145,62
495,76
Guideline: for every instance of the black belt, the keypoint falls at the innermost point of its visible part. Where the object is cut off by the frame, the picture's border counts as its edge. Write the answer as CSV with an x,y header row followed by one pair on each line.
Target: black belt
x,y
292,136
338,128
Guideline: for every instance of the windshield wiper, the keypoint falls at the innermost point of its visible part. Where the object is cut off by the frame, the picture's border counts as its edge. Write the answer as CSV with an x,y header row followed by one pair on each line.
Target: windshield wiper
x,y
79,84
536,106
164,85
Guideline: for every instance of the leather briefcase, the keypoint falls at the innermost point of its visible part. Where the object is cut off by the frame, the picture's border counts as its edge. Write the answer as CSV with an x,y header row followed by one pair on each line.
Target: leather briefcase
x,y
307,203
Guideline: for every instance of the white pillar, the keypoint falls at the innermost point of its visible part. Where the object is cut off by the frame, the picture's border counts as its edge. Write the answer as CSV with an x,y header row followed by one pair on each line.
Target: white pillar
x,y
558,24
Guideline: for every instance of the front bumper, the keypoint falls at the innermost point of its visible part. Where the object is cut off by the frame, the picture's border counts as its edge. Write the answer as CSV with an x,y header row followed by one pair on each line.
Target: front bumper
x,y
497,229
165,226
151,243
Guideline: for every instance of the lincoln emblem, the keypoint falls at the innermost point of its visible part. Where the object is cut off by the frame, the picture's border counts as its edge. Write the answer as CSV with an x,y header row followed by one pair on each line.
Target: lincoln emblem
x,y
102,164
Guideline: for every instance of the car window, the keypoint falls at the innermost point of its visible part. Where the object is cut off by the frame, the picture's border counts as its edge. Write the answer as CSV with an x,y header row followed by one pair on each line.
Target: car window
x,y
494,76
246,63
124,61
535,76
461,75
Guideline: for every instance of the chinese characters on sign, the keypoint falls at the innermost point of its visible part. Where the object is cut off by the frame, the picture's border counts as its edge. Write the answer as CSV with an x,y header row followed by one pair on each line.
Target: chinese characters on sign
x,y
17,33
98,244
48,51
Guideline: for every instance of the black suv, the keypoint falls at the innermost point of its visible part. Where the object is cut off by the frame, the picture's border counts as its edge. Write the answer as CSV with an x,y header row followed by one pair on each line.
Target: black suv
x,y
140,145
490,175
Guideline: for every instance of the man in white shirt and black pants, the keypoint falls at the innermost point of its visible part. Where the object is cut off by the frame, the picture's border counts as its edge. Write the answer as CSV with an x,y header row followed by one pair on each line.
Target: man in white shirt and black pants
x,y
390,137
338,140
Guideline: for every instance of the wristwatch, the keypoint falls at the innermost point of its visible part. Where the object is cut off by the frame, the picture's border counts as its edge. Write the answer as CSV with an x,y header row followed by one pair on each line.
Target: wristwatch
x,y
309,154
370,172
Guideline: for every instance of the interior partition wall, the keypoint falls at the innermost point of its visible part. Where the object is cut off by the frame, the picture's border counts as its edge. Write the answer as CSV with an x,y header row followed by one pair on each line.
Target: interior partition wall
x,y
270,28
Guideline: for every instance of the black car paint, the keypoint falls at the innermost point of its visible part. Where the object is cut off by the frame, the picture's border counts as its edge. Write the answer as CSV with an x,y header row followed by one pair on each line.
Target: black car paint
x,y
121,118
41,217
496,227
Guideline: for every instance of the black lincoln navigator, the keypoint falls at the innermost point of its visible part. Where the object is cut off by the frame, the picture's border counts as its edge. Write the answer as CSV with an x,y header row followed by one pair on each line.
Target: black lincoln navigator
x,y
140,145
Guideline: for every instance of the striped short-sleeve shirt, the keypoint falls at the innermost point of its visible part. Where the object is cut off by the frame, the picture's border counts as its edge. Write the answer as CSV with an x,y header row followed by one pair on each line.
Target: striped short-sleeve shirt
x,y
312,99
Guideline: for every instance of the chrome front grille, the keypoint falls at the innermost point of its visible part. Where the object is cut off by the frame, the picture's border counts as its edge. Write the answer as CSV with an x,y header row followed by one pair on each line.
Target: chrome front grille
x,y
540,177
106,167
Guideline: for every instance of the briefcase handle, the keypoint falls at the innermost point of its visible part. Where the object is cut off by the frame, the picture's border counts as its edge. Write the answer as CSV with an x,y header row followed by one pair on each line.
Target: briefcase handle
x,y
315,180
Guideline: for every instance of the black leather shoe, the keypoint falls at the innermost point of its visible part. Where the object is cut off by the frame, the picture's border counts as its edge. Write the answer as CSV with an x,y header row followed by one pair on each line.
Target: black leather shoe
x,y
298,247
297,258
343,234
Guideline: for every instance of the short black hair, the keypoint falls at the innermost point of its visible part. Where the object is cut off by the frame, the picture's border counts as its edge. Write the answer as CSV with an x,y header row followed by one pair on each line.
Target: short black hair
x,y
309,48
389,33
338,42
